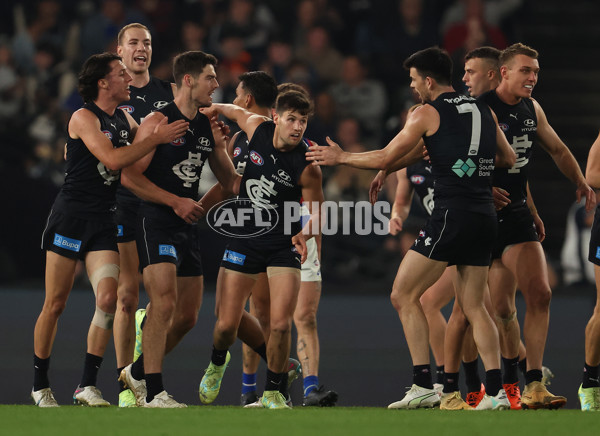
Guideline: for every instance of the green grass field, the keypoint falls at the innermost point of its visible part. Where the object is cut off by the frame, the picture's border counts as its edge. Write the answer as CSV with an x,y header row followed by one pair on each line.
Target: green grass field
x,y
343,421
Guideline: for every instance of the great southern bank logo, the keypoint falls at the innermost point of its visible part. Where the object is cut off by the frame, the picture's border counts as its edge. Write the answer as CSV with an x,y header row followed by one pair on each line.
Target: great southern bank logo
x,y
462,168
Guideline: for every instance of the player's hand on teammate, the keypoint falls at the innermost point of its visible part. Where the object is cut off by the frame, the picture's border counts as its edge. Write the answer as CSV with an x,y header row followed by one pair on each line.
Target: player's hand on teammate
x,y
220,130
169,132
395,225
584,190
188,210
377,186
299,242
325,155
501,199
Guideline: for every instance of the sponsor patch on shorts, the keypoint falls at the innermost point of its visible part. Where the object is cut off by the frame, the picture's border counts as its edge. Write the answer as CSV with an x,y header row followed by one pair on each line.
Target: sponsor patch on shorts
x,y
597,252
234,257
119,230
167,250
67,243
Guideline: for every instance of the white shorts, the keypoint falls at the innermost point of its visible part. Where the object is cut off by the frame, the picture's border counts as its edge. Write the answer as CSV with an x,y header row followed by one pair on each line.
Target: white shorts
x,y
311,268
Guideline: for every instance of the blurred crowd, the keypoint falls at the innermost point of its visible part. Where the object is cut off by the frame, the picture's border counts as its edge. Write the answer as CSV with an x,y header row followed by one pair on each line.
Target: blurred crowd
x,y
347,53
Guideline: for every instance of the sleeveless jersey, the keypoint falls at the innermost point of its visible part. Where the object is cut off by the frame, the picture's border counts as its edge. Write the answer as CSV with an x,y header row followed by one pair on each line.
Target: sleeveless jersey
x,y
270,179
462,154
240,152
420,177
152,97
176,167
519,124
89,188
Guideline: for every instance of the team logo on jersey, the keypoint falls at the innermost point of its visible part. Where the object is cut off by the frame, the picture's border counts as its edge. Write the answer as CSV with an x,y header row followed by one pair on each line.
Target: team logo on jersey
x,y
529,122
107,174
256,158
108,134
178,142
236,151
503,127
127,108
160,104
189,169
417,179
285,176
124,134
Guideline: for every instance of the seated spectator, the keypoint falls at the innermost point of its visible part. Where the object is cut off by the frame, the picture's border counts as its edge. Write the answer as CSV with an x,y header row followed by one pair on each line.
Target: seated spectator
x,y
320,54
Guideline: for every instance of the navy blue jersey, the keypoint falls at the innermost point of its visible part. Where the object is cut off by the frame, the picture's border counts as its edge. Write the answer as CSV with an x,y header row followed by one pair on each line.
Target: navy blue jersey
x,y
271,178
152,97
462,154
176,167
420,176
89,188
240,152
519,124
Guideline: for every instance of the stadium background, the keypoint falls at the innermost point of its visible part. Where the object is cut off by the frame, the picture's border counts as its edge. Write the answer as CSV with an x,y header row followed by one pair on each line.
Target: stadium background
x,y
42,46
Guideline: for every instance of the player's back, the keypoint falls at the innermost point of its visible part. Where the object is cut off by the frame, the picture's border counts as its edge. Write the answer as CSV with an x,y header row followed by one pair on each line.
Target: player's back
x,y
462,153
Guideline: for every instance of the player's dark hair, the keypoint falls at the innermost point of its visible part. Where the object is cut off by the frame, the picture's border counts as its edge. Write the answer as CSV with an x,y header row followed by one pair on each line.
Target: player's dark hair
x,y
289,86
96,67
432,62
517,49
293,101
192,63
261,86
490,55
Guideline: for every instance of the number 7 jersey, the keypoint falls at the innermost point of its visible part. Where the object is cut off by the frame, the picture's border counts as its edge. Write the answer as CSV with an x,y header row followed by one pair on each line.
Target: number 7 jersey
x,y
462,153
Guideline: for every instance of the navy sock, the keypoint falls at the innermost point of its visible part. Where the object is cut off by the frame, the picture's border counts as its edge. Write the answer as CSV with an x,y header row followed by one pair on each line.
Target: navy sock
x,y
523,366
40,373
533,375
493,382
472,379
283,384
137,369
218,357
273,380
154,385
439,374
422,376
450,382
590,377
261,350
511,370
121,385
90,370
310,383
248,383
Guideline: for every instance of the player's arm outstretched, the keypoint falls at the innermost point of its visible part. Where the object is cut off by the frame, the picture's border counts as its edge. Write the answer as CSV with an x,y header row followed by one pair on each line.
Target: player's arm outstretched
x,y
133,177
423,120
246,120
562,156
85,125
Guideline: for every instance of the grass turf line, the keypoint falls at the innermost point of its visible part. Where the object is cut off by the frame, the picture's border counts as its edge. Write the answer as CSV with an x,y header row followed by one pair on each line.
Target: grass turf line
x,y
346,421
